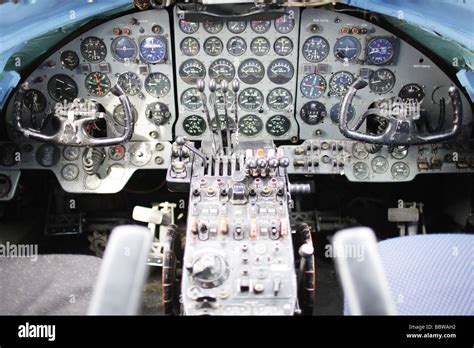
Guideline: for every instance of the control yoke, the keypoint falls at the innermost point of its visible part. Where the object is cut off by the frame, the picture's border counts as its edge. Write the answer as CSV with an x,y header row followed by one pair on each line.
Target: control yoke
x,y
74,120
401,127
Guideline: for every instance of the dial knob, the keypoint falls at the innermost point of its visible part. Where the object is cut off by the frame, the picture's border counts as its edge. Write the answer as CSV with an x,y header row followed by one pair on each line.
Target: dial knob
x,y
209,270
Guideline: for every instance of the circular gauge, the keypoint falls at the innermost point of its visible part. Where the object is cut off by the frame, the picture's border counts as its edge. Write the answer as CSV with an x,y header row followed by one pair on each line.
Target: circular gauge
x,y
285,23
93,49
221,69
315,49
260,27
412,93
213,46
278,125
190,46
191,99
361,171
313,86
279,99
157,85
335,113
130,83
283,46
260,46
194,125
400,171
158,113
48,155
140,153
280,71
153,49
313,112
119,115
70,172
34,100
222,121
9,154
399,152
250,125
380,51
188,27
347,48
124,49
382,81
236,27
219,98
250,99
251,71
236,46
191,71
359,151
117,152
213,27
71,153
62,87
379,165
340,82
69,59
97,84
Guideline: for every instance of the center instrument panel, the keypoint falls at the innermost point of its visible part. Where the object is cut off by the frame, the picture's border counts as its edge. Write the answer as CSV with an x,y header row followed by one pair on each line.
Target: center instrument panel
x,y
292,73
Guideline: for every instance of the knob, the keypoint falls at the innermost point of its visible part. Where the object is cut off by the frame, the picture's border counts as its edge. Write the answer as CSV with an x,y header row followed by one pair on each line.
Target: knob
x,y
212,85
224,86
235,85
201,85
284,162
273,162
251,163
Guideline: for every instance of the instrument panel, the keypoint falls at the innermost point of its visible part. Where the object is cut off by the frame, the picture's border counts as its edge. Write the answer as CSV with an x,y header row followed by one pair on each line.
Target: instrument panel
x,y
260,54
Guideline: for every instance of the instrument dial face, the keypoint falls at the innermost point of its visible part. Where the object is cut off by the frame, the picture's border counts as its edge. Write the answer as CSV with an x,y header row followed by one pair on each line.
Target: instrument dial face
x,y
97,84
400,171
347,48
124,49
250,125
34,100
117,152
278,125
251,71
313,112
283,46
157,85
69,172
380,51
221,69
93,49
315,49
62,87
250,99
382,81
379,164
69,59
191,71
213,46
340,82
190,46
359,151
279,99
157,113
412,93
71,153
219,99
313,86
119,115
213,27
194,125
280,71
237,27
130,83
260,46
236,46
285,23
335,113
361,171
153,49
188,27
191,99
260,27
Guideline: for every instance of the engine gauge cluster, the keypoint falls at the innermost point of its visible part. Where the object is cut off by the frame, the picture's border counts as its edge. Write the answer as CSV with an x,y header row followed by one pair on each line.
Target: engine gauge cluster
x,y
261,54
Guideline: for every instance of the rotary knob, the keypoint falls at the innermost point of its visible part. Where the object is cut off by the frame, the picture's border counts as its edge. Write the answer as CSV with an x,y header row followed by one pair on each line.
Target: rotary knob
x,y
209,270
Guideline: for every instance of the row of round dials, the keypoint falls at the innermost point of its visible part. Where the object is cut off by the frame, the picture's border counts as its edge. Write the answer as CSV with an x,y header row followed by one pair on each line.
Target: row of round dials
x,y
152,49
236,46
283,25
62,87
380,50
250,71
249,125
